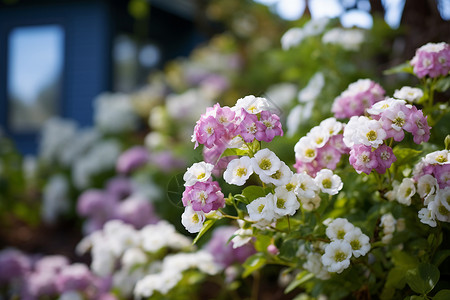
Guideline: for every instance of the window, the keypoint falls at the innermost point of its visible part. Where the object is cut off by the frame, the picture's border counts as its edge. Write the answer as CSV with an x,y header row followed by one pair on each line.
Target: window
x,y
34,72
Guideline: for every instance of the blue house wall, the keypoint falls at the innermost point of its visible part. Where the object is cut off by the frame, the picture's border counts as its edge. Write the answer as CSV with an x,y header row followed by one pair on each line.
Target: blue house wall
x,y
87,67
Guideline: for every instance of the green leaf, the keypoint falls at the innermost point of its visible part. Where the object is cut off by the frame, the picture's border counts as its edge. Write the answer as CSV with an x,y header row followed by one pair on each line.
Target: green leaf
x,y
404,260
206,226
443,84
252,192
234,151
253,263
288,249
423,278
403,68
262,242
442,295
440,256
301,278
447,142
405,155
396,278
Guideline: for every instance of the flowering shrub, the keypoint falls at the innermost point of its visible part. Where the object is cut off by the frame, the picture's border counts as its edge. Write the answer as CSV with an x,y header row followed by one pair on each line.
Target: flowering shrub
x,y
329,223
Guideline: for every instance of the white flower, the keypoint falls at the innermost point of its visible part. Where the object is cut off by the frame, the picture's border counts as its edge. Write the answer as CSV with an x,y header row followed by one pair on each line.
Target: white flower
x,y
314,265
133,257
161,282
299,114
282,176
349,39
252,104
292,38
408,93
444,197
438,157
439,210
426,185
305,149
388,223
383,105
328,182
188,105
238,171
319,136
372,133
241,236
198,172
163,234
304,186
114,113
359,242
282,93
315,26
426,216
331,125
286,202
56,199
265,162
55,135
310,204
337,256
405,191
338,228
433,47
262,209
310,92
352,134
192,220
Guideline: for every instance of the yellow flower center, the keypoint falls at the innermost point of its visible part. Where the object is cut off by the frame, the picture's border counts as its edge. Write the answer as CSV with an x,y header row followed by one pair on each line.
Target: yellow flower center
x,y
371,136
201,176
356,245
241,172
441,158
260,208
310,152
280,203
339,256
265,164
327,183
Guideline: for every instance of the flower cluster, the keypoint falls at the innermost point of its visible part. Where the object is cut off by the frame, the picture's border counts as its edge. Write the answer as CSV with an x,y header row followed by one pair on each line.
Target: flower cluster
x,y
389,119
119,200
358,97
251,118
49,276
431,181
294,36
201,195
321,148
432,60
346,240
131,257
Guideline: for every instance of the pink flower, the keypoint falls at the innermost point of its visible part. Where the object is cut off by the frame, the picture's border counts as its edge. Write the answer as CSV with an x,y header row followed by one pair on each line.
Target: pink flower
x,y
393,120
268,127
385,157
432,59
328,156
417,124
442,175
248,126
359,96
363,159
131,159
337,141
97,203
208,131
204,196
311,168
222,250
